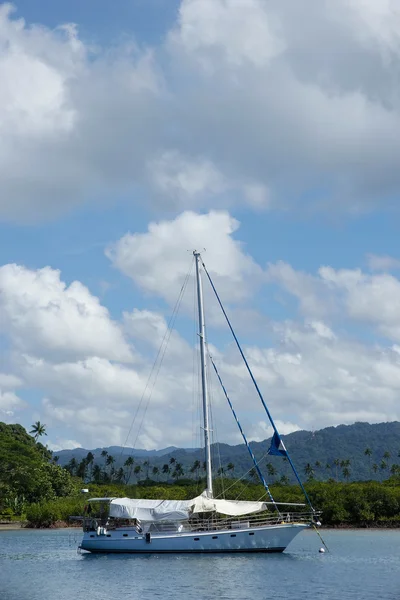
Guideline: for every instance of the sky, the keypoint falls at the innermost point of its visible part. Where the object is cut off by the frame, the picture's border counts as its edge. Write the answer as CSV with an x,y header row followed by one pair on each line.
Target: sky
x,y
267,133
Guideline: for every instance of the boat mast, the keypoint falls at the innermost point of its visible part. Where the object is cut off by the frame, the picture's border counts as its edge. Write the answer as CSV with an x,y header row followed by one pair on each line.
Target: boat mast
x,y
202,337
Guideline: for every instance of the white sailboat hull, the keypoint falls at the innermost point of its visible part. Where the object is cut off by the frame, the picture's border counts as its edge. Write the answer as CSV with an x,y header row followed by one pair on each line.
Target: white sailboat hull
x,y
271,538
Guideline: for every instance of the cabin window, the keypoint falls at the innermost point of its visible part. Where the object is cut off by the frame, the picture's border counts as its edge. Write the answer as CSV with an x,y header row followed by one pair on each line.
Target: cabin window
x,y
233,534
108,534
196,539
251,533
124,535
214,537
92,536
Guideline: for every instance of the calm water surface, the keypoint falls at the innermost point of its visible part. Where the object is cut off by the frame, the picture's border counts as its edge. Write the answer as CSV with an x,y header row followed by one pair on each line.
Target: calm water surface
x,y
44,565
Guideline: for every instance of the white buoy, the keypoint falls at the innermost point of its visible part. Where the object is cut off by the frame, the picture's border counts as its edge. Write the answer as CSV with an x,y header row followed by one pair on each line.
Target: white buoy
x,y
322,550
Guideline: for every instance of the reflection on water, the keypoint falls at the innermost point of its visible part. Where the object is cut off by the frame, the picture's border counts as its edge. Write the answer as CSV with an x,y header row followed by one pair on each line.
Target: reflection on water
x,y
44,565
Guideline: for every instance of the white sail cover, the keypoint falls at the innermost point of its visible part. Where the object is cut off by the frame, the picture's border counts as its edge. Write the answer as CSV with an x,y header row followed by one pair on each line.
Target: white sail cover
x,y
179,510
150,510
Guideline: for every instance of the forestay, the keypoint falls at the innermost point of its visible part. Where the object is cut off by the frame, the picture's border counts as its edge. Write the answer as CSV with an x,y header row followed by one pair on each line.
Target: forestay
x,y
179,510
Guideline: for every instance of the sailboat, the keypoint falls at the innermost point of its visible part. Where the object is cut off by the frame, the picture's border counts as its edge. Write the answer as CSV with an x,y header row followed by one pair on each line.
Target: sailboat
x,y
203,524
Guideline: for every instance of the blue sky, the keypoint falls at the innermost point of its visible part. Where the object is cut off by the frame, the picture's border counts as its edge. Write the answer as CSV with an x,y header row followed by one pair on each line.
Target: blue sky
x,y
154,127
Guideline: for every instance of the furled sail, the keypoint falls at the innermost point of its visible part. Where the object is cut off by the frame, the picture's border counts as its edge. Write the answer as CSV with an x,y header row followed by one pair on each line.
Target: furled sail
x,y
179,510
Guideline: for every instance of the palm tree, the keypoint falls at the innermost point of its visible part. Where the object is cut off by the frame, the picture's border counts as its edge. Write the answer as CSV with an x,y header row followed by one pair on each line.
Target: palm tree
x,y
155,471
309,471
129,465
368,452
146,464
38,429
72,466
137,470
195,468
56,459
230,467
346,473
119,476
178,471
81,470
336,462
96,473
375,468
166,470
253,474
89,462
172,460
345,464
271,470
109,462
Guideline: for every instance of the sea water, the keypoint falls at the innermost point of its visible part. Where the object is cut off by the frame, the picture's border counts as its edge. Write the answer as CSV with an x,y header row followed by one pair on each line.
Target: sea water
x,y
45,565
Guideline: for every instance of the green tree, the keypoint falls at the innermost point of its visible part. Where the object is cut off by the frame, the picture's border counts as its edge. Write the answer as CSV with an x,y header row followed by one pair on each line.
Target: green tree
x,y
195,468
309,471
128,464
156,471
166,470
120,474
137,470
89,464
38,430
146,465
72,466
178,471
97,473
336,462
368,452
229,467
81,469
110,460
253,474
271,470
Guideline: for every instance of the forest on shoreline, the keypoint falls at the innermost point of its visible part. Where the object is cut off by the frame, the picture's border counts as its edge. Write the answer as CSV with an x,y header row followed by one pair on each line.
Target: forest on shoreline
x,y
36,490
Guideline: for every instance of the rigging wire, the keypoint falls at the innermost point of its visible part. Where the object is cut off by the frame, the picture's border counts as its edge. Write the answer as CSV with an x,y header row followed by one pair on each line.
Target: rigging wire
x,y
253,458
161,352
256,385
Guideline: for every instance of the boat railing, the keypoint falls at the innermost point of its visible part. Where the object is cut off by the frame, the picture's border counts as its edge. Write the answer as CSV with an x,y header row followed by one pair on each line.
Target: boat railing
x,y
199,523
243,522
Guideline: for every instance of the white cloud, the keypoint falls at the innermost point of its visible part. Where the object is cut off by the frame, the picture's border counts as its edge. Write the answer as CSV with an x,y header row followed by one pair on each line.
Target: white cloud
x,y
9,400
8,381
42,315
316,380
206,28
71,118
308,289
184,180
235,104
159,260
62,444
311,374
382,263
263,429
345,294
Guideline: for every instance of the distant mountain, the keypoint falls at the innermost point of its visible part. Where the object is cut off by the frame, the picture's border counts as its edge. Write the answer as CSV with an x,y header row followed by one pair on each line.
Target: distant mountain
x,y
116,451
318,449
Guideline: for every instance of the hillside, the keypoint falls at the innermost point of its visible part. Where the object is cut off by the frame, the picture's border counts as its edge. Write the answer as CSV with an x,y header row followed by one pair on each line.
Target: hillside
x,y
316,449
